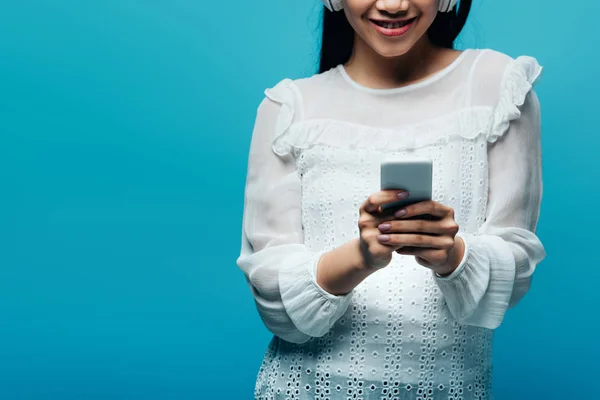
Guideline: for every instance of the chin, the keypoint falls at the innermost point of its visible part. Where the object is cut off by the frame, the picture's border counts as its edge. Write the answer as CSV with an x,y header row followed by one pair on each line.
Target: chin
x,y
393,48
395,51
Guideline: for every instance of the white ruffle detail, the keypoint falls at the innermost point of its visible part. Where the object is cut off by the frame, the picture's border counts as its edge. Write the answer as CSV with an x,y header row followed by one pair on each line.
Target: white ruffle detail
x,y
479,294
311,308
292,131
519,78
466,123
287,94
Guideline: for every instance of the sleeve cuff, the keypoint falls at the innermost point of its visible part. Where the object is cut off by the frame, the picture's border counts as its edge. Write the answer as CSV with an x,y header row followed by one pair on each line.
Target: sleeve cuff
x,y
311,308
461,266
478,292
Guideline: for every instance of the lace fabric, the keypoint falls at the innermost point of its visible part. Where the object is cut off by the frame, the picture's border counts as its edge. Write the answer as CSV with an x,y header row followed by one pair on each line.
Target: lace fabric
x,y
404,332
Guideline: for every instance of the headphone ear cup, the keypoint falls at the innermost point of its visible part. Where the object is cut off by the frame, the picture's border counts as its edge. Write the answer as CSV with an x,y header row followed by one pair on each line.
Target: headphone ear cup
x,y
333,5
443,5
447,5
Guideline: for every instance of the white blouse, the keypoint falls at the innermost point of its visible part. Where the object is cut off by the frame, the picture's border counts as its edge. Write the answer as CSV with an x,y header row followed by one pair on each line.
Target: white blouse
x,y
404,332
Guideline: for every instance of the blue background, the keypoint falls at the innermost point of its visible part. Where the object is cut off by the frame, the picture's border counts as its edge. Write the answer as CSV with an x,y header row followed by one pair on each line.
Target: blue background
x,y
124,128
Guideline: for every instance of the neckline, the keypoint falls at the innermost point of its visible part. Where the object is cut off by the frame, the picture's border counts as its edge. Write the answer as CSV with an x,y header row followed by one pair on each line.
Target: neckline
x,y
412,86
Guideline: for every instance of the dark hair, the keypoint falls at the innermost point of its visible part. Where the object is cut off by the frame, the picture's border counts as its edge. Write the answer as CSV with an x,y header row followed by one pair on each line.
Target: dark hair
x,y
338,35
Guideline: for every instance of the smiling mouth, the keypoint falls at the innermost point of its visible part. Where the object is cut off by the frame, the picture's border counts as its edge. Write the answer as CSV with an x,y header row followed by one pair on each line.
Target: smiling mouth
x,y
393,24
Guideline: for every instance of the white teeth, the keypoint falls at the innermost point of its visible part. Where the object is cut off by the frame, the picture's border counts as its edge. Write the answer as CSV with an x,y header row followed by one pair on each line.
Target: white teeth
x,y
394,25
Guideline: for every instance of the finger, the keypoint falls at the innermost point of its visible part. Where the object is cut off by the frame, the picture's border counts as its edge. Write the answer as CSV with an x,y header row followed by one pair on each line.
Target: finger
x,y
373,203
367,220
446,226
413,226
377,248
417,240
426,207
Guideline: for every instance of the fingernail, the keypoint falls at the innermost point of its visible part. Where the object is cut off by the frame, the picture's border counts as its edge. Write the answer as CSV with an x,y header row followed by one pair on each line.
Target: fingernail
x,y
385,227
400,213
403,195
384,238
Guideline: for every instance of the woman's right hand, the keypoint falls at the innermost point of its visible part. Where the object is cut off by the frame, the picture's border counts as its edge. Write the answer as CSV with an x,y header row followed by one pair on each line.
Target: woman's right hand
x,y
375,254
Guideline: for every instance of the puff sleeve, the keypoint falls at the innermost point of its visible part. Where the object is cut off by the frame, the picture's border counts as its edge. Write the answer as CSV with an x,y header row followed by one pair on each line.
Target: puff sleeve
x,y
279,269
501,257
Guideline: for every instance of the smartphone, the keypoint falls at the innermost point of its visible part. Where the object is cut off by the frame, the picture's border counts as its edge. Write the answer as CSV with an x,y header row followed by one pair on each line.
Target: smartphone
x,y
414,175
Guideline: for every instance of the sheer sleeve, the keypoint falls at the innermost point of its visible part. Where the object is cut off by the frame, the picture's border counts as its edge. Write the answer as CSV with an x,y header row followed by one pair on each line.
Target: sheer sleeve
x,y
500,259
279,269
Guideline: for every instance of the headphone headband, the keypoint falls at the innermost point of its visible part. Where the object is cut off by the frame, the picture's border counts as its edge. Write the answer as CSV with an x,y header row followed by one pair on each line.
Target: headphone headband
x,y
337,5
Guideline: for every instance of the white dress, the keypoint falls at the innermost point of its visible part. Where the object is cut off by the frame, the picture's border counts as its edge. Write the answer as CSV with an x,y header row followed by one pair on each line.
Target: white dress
x,y
404,332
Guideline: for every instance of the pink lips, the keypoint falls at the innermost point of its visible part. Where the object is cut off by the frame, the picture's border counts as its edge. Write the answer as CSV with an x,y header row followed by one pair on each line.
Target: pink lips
x,y
394,31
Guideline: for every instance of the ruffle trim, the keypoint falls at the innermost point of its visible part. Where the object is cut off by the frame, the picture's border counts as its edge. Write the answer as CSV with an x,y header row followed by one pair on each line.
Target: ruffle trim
x,y
518,80
341,134
478,294
311,308
288,96
292,132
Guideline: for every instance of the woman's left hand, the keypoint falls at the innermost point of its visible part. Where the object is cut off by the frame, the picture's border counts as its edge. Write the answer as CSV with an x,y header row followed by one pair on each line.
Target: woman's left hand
x,y
433,243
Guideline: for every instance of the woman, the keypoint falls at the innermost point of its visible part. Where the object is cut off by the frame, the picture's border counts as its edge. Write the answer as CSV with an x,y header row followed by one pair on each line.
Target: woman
x,y
364,305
